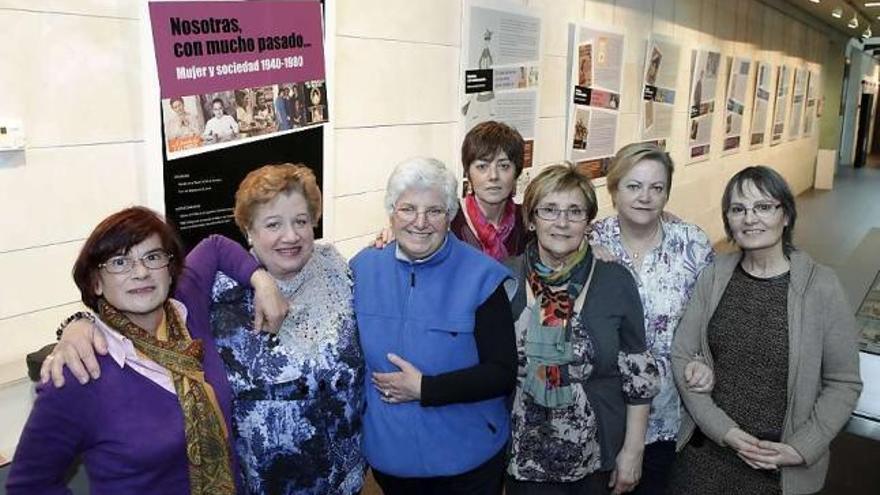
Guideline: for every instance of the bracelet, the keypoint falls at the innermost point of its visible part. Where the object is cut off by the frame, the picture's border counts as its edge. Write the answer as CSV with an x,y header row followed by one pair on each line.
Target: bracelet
x,y
79,315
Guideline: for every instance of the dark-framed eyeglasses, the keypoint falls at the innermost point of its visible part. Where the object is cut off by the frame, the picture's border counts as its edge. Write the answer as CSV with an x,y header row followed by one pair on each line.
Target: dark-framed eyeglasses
x,y
551,213
154,260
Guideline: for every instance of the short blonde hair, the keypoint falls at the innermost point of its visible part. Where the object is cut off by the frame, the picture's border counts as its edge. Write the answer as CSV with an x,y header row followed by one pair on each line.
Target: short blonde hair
x,y
265,183
629,156
558,178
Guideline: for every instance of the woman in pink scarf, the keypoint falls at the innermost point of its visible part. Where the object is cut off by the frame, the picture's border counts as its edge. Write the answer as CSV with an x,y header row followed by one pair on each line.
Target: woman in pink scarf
x,y
492,156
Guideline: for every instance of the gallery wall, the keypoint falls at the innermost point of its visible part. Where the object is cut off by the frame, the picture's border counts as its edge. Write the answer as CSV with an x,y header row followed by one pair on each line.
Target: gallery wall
x,y
71,72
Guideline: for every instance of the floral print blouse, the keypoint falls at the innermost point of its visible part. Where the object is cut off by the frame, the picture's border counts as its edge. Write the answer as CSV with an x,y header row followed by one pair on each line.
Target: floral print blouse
x,y
611,368
665,282
297,397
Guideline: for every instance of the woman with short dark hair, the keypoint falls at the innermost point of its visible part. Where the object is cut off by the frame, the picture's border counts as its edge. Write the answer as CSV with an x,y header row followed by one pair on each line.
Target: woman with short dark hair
x,y
780,335
159,419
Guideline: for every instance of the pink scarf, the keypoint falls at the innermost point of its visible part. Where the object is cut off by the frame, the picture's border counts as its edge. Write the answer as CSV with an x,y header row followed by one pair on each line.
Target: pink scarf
x,y
491,238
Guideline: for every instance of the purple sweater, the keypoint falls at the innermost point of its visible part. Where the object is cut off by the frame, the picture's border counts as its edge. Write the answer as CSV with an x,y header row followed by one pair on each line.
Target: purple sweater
x,y
128,429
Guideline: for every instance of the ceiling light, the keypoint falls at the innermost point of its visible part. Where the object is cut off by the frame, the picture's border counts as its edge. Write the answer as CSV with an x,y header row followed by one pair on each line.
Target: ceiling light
x,y
853,23
837,13
815,1
867,33
868,4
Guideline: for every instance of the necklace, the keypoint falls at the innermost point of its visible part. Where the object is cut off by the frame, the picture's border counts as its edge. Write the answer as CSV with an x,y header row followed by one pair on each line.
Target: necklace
x,y
636,254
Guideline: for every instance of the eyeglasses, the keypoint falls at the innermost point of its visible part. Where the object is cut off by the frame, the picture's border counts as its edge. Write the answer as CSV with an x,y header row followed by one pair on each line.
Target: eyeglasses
x,y
409,213
761,210
155,260
551,213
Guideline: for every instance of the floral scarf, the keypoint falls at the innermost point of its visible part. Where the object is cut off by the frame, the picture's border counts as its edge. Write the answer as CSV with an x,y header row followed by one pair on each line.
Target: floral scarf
x,y
491,239
548,337
210,460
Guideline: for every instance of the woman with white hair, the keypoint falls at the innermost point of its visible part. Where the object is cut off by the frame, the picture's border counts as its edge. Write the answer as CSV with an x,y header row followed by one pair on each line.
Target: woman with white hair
x,y
437,335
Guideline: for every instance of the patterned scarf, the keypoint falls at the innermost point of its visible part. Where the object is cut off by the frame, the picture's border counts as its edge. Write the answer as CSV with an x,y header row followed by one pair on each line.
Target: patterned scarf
x,y
210,461
491,239
548,337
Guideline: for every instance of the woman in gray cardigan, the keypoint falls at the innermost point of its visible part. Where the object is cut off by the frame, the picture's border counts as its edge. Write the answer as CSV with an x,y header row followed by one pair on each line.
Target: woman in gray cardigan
x,y
780,335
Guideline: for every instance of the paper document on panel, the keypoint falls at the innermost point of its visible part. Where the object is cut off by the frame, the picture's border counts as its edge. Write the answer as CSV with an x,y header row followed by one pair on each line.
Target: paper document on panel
x,y
734,110
501,68
658,89
761,105
701,108
781,105
595,58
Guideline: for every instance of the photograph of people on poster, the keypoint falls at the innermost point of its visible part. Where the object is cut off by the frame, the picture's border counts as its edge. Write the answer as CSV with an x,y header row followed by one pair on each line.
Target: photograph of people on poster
x,y
501,44
798,98
317,95
761,105
734,111
661,73
704,80
221,126
596,54
781,105
184,122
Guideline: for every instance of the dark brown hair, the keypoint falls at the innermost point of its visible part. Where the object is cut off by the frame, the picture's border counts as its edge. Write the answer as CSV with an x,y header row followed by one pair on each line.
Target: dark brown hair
x,y
769,182
486,138
115,235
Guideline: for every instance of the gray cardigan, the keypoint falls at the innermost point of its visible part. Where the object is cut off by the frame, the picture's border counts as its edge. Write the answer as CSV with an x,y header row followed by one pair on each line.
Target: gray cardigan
x,y
823,364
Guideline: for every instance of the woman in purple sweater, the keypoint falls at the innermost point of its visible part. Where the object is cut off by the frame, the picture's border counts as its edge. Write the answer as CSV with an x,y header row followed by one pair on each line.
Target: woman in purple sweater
x,y
158,420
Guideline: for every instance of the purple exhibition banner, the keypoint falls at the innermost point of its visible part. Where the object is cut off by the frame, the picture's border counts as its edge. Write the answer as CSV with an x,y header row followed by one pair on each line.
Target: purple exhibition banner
x,y
215,46
237,71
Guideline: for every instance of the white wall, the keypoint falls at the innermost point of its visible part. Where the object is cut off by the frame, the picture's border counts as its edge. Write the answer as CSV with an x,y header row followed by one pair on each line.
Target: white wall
x,y
72,72
397,82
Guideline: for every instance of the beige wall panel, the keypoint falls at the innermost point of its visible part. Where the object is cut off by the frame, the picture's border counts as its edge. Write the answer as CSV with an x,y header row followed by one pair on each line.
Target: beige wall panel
x,y
725,20
71,79
707,22
554,93
550,141
688,20
599,11
627,129
556,14
37,278
109,8
62,193
16,399
366,156
350,247
426,21
359,215
664,18
390,82
29,332
635,17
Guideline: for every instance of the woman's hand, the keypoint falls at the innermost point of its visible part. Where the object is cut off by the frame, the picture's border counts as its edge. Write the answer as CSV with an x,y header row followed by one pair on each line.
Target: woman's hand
x,y
627,471
383,238
748,449
76,350
399,386
699,376
270,306
602,253
782,455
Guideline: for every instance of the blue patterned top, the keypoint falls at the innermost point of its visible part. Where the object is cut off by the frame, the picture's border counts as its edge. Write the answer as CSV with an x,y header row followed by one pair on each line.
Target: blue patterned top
x,y
298,397
665,281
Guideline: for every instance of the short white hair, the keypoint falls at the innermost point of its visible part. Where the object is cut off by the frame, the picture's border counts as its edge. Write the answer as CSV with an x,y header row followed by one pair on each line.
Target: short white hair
x,y
422,173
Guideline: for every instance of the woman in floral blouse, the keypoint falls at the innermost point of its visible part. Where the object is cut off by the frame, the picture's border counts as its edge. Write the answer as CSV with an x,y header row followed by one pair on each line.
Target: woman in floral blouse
x,y
665,256
586,377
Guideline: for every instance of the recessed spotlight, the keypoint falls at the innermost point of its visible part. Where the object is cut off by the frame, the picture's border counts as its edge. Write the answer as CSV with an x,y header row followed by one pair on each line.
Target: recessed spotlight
x,y
867,33
815,1
869,4
837,13
853,23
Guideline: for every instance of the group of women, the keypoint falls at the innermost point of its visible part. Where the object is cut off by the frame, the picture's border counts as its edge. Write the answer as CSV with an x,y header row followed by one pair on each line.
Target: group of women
x,y
551,359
